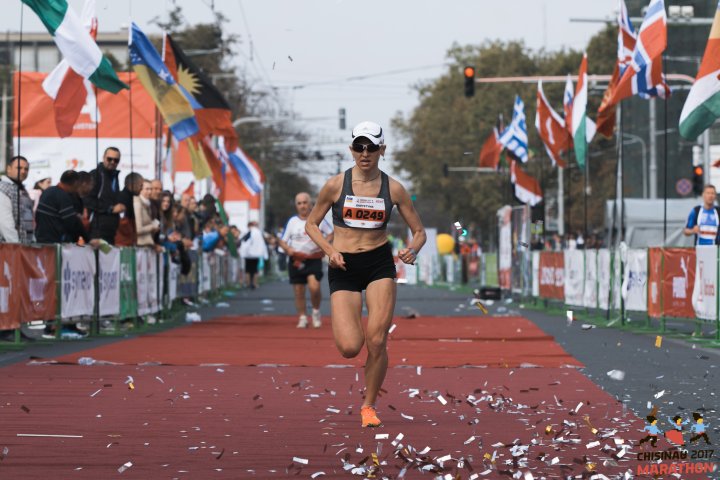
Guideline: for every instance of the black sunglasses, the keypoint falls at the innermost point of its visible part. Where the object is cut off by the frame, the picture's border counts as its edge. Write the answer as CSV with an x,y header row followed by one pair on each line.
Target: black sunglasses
x,y
360,148
113,159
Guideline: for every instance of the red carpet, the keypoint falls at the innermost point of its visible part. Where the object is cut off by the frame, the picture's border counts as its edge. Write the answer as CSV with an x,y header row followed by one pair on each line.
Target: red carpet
x,y
428,341
246,422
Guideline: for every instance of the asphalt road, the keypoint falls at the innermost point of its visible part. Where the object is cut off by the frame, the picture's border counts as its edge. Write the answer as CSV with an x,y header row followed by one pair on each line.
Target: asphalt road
x,y
677,378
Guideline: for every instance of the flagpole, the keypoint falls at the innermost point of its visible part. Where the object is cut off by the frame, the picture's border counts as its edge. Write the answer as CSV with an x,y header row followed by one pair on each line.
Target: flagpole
x,y
665,167
585,193
17,221
561,201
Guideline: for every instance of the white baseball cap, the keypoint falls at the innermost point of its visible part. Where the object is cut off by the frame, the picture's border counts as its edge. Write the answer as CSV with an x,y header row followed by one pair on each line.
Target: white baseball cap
x,y
370,130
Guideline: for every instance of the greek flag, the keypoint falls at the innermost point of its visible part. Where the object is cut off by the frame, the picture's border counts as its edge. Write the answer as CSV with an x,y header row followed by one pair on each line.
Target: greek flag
x,y
515,137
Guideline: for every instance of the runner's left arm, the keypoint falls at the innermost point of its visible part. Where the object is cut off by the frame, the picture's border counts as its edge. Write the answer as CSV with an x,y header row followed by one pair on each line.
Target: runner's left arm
x,y
412,219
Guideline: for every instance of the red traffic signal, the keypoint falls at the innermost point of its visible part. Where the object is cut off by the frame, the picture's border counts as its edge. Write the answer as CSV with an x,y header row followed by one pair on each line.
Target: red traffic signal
x,y
698,181
469,73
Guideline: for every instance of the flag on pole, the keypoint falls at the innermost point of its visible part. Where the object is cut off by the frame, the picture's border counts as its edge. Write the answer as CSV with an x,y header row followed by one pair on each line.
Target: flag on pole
x,y
67,88
491,150
216,166
212,111
551,128
200,167
568,95
579,122
641,71
159,83
246,168
515,138
702,105
527,188
75,43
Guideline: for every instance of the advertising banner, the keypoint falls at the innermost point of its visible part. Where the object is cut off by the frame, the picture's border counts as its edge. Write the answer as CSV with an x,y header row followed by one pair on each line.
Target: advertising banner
x,y
590,290
655,262
552,275
704,298
36,276
77,279
634,286
678,282
604,278
142,267
128,284
9,309
574,277
109,282
50,155
505,247
536,274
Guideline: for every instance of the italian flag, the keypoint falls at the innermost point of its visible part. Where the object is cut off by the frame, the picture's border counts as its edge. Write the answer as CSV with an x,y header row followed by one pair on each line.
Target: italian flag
x,y
75,43
702,106
579,122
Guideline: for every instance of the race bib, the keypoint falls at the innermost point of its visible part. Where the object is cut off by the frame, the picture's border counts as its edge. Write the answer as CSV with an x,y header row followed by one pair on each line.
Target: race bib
x,y
364,212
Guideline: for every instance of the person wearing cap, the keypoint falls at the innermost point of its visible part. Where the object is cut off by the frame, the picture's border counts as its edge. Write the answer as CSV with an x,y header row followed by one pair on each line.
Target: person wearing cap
x,y
361,257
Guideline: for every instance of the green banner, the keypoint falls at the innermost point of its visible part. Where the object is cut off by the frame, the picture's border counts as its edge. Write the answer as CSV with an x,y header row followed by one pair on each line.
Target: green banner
x,y
128,289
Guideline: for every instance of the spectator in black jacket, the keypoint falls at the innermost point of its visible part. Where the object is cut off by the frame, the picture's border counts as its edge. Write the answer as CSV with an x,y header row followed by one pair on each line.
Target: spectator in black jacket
x,y
55,218
102,202
126,236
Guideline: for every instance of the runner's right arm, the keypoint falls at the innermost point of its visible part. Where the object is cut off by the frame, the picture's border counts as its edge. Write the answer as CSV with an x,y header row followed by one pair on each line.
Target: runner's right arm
x,y
328,194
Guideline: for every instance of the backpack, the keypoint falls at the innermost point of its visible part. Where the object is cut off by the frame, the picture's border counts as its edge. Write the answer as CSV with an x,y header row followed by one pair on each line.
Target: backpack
x,y
696,210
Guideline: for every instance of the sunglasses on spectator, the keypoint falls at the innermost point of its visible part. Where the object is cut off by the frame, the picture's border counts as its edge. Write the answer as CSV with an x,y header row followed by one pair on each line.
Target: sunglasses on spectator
x,y
360,148
113,159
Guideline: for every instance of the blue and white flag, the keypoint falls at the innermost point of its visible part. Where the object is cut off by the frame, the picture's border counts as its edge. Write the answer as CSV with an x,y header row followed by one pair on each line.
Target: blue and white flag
x,y
515,137
249,172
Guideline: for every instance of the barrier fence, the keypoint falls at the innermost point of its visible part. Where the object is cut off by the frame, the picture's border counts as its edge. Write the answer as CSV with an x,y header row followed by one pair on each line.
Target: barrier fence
x,y
657,284
67,282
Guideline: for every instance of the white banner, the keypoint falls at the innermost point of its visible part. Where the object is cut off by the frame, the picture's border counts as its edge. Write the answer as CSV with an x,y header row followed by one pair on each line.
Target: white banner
x,y
173,276
146,262
427,258
704,298
77,281
109,282
634,286
449,268
162,299
603,274
536,274
590,294
204,282
574,277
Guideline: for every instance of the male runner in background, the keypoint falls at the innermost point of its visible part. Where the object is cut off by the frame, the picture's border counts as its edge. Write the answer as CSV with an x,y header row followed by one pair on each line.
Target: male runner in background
x,y
305,265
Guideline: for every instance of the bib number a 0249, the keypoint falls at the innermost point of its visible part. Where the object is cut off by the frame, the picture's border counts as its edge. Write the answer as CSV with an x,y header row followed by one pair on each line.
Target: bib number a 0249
x,y
363,212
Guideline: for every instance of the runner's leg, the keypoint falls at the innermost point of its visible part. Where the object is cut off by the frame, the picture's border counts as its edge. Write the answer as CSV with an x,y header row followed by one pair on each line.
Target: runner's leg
x,y
315,292
380,298
346,307
300,305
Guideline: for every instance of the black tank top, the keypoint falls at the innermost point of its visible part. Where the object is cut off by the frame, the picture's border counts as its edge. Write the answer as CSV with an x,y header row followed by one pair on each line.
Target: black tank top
x,y
369,213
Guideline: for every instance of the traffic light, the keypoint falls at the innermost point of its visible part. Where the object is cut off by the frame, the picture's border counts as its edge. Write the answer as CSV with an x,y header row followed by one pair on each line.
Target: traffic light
x,y
698,181
469,73
341,117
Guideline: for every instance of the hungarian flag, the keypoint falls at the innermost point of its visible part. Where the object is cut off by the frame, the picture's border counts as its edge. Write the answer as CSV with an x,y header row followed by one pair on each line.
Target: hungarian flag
x,y
491,150
67,88
579,122
702,106
75,43
551,128
212,111
527,189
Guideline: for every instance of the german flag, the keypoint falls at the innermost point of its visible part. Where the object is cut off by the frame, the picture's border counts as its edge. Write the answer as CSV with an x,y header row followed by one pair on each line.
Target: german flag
x,y
212,111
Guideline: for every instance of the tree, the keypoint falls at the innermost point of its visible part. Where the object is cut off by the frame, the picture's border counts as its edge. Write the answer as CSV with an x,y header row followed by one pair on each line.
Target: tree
x,y
445,125
216,58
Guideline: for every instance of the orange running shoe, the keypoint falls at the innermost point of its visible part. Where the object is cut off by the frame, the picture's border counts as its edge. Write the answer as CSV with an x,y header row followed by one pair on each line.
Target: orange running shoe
x,y
369,417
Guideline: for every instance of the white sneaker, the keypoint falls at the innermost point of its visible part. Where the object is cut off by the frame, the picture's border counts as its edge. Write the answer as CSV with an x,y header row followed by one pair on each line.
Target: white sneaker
x,y
302,323
316,319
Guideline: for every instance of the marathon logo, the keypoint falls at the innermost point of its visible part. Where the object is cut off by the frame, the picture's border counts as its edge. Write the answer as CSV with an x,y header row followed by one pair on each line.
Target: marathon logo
x,y
676,468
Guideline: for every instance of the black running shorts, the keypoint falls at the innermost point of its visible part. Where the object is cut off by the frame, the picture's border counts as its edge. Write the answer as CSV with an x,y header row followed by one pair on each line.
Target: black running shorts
x,y
362,268
311,266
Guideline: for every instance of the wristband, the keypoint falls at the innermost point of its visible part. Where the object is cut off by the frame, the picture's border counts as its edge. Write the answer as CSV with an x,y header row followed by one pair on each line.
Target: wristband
x,y
413,251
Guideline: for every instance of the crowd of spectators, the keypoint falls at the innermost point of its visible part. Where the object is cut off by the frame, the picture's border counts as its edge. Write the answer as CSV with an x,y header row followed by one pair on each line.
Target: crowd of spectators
x,y
92,208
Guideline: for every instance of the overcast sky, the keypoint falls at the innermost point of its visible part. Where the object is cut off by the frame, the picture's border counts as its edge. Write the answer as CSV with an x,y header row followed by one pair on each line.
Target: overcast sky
x,y
330,40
